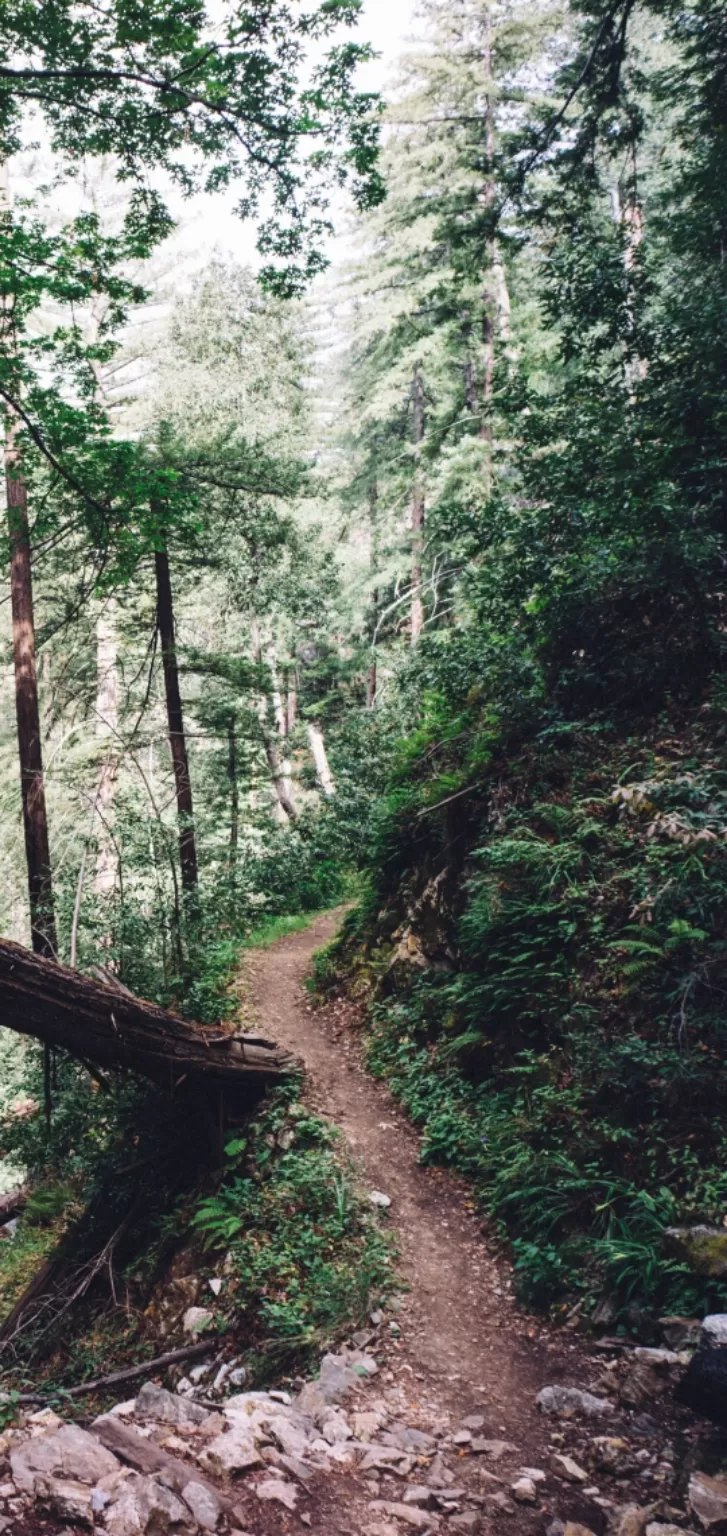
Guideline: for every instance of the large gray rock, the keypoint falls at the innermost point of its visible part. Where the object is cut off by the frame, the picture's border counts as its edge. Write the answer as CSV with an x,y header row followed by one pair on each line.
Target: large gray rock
x,y
703,1249
168,1407
566,1402
69,1453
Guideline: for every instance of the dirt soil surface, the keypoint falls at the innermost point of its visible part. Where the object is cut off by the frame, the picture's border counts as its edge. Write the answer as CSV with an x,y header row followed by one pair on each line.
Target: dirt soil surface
x,y
463,1346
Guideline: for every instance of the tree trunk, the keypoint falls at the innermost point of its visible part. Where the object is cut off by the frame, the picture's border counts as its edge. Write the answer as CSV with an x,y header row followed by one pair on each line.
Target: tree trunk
x,y
234,790
320,758
108,1026
489,301
175,718
32,784
107,726
374,562
417,511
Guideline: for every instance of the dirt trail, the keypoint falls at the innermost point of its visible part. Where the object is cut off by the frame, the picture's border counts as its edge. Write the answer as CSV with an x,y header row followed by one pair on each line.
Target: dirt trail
x,y
464,1347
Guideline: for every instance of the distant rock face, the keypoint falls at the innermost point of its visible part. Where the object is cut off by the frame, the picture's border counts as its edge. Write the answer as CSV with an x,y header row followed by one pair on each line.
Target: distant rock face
x,y
704,1249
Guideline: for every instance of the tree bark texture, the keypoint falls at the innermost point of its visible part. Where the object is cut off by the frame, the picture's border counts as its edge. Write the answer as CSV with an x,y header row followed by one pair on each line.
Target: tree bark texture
x,y
175,718
417,510
32,783
108,1026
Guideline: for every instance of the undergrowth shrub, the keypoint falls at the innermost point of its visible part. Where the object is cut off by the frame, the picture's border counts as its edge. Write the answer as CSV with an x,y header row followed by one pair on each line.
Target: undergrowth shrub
x,y
571,1062
307,1255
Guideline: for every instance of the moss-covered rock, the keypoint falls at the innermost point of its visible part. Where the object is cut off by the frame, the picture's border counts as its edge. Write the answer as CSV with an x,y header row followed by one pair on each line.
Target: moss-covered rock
x,y
704,1249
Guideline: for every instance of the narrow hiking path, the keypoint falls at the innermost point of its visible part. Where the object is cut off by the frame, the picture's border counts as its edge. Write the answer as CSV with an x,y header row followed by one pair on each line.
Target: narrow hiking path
x,y
464,1349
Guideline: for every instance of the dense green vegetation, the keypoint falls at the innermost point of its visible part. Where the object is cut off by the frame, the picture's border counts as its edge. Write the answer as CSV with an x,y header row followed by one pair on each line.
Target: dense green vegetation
x,y
409,585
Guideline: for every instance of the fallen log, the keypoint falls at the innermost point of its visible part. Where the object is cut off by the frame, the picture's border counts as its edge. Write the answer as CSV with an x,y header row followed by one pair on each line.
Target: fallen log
x,y
146,1457
102,1024
129,1373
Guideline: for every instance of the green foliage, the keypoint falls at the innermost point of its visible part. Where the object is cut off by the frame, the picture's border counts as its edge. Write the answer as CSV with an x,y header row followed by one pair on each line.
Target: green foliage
x,y
308,1255
572,1065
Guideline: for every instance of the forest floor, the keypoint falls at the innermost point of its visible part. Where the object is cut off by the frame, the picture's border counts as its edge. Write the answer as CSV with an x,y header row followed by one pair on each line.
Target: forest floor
x,y
459,1347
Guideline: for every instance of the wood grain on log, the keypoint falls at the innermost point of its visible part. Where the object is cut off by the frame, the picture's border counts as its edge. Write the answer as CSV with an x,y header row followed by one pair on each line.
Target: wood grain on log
x,y
100,1024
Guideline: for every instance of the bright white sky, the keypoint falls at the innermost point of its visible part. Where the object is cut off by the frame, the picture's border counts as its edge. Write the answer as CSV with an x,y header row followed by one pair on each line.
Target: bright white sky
x,y
208,223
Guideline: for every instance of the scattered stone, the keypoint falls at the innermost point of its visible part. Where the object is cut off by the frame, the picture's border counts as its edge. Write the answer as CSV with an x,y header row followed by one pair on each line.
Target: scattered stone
x,y
494,1448
556,1528
335,1379
536,1474
462,1438
69,1452
499,1502
418,1493
204,1504
381,1200
145,1504
411,1439
64,1499
366,1425
469,1523
655,1528
123,1410
682,1332
197,1320
650,1375
708,1500
233,1453
420,1519
336,1429
568,1401
279,1492
614,1455
167,1407
524,1490
215,1285
473,1421
571,1528
382,1458
566,1467
44,1419
629,1520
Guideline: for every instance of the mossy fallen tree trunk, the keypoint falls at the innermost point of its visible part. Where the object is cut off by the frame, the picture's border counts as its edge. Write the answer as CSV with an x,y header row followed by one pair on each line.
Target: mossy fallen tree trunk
x,y
107,1027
